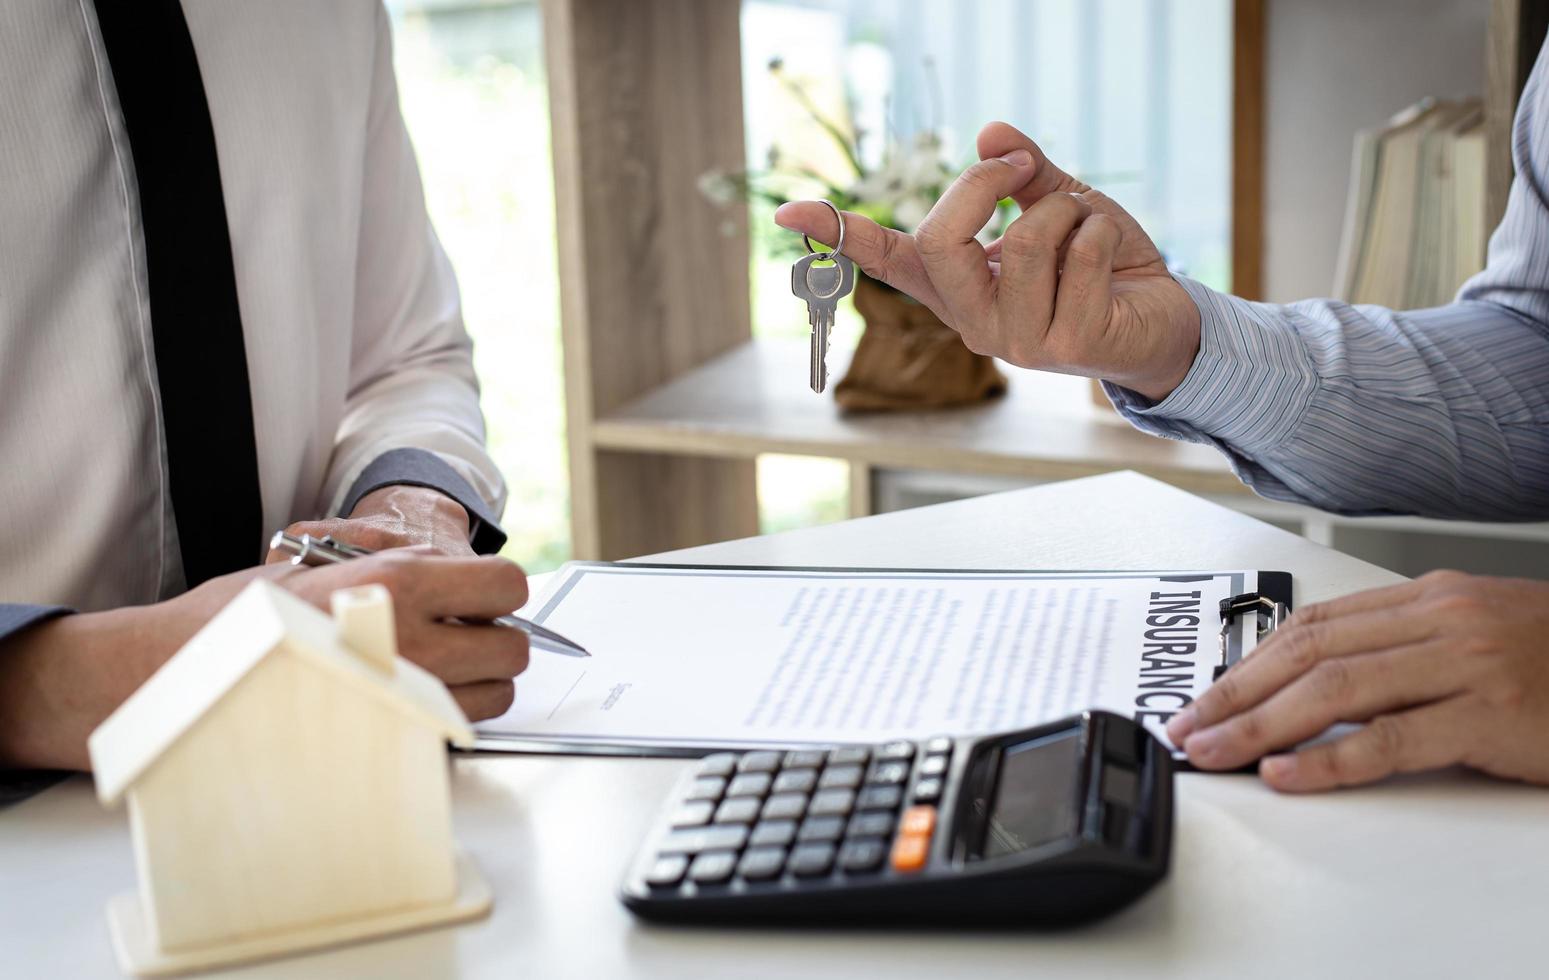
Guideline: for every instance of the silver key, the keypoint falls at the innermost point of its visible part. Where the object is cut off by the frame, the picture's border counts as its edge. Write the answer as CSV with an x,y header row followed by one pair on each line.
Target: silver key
x,y
822,287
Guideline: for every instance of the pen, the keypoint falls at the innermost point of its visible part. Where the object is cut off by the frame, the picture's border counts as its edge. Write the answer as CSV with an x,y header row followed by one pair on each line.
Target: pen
x,y
307,550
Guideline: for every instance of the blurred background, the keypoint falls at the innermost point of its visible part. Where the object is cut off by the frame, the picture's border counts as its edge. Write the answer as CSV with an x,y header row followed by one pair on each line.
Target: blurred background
x,y
1135,96
472,84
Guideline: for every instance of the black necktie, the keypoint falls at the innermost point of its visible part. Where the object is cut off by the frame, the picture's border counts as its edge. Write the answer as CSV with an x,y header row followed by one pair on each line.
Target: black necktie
x,y
201,366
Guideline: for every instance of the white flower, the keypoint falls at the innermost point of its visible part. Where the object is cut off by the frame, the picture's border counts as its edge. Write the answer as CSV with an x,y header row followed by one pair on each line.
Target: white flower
x,y
924,165
719,187
909,212
908,179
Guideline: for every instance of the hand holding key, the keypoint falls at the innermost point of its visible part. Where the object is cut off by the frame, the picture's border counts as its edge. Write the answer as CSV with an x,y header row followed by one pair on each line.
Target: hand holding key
x,y
1074,286
822,287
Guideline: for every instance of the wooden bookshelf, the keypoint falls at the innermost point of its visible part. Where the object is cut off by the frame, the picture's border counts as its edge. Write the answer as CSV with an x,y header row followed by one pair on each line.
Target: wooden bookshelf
x,y
643,98
669,400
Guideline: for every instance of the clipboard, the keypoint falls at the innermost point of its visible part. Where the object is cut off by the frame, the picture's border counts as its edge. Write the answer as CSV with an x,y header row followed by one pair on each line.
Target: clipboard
x,y
1270,602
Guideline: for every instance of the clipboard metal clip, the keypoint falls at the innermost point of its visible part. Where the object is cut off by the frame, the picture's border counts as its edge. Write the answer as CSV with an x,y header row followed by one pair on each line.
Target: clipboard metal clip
x,y
1270,613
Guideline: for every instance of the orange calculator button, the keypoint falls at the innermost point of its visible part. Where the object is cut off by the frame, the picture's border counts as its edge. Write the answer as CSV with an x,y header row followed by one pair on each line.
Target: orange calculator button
x,y
909,851
919,820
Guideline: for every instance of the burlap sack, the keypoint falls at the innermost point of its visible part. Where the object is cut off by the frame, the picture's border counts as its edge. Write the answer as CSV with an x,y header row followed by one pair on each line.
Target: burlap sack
x,y
908,359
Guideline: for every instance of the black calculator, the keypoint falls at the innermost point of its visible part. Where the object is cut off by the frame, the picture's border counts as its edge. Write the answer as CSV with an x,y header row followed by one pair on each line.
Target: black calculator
x,y
1048,825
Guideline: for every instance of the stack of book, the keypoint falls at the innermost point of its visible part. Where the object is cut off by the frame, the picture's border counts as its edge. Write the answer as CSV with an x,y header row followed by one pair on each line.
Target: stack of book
x,y
1415,217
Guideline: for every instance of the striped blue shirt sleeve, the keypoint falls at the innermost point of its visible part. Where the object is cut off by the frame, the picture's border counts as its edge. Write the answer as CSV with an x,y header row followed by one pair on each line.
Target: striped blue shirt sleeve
x,y
1364,410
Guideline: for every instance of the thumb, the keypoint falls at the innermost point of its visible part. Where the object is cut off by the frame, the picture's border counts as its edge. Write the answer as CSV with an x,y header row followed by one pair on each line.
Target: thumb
x,y
997,139
885,254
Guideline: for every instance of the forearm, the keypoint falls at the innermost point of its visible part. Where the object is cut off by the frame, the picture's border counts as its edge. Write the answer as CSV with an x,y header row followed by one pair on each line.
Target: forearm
x,y
1441,412
60,678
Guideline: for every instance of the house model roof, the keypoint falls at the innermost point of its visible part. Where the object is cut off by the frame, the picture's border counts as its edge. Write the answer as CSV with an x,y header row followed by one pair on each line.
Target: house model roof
x,y
262,619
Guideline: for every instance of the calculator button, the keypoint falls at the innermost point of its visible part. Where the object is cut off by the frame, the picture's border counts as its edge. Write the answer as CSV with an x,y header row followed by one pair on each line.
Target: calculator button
x,y
821,828
743,810
695,814
695,839
795,781
785,806
712,867
927,790
761,863
849,755
810,860
889,773
832,802
750,784
759,762
773,833
909,852
805,759
863,854
918,821
874,824
667,871
940,745
840,777
934,765
720,764
705,788
879,798
895,751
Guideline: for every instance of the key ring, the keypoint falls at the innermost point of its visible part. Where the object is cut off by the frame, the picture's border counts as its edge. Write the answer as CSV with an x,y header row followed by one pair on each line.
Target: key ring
x,y
838,246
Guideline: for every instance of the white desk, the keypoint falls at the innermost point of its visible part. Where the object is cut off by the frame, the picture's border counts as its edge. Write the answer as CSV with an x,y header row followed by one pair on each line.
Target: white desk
x,y
1440,876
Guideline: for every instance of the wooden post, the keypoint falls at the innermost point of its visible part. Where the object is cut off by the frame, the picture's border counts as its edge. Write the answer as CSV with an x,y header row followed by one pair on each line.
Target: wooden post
x,y
644,97
1515,34
1248,148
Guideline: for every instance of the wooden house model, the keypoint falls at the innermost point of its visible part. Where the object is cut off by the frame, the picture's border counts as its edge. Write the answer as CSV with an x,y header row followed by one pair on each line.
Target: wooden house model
x,y
288,788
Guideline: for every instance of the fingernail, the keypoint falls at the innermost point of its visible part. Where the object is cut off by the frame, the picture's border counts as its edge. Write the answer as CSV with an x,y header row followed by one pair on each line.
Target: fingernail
x,y
1277,767
1205,745
1182,723
1018,158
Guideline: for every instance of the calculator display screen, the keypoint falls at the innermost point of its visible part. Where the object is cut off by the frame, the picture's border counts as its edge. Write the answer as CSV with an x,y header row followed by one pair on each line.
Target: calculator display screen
x,y
1033,800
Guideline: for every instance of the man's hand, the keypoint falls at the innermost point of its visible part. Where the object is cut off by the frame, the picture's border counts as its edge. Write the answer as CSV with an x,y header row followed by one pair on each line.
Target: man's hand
x,y
61,678
1074,286
396,517
476,661
1449,669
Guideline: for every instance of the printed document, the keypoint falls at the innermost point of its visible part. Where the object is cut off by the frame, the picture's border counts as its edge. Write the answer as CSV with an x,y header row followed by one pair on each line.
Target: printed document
x,y
689,657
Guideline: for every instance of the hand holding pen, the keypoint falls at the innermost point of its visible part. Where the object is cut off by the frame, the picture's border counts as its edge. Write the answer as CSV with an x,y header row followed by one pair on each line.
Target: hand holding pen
x,y
442,606
307,550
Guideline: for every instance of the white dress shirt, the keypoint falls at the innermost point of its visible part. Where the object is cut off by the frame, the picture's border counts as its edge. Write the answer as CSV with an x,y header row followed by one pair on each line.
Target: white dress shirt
x,y
351,318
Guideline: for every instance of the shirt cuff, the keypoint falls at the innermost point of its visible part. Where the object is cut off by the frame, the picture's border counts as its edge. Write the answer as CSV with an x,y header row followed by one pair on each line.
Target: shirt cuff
x,y
1248,388
423,468
15,618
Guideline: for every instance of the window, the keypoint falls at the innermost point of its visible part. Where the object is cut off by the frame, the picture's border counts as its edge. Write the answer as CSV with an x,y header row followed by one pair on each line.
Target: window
x,y
1132,96
472,88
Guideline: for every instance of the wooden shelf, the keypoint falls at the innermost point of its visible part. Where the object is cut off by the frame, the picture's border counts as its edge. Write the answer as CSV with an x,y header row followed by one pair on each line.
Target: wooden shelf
x,y
754,399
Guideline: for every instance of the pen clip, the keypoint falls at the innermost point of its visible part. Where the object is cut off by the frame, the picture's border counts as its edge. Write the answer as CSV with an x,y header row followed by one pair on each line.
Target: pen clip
x,y
304,549
343,548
